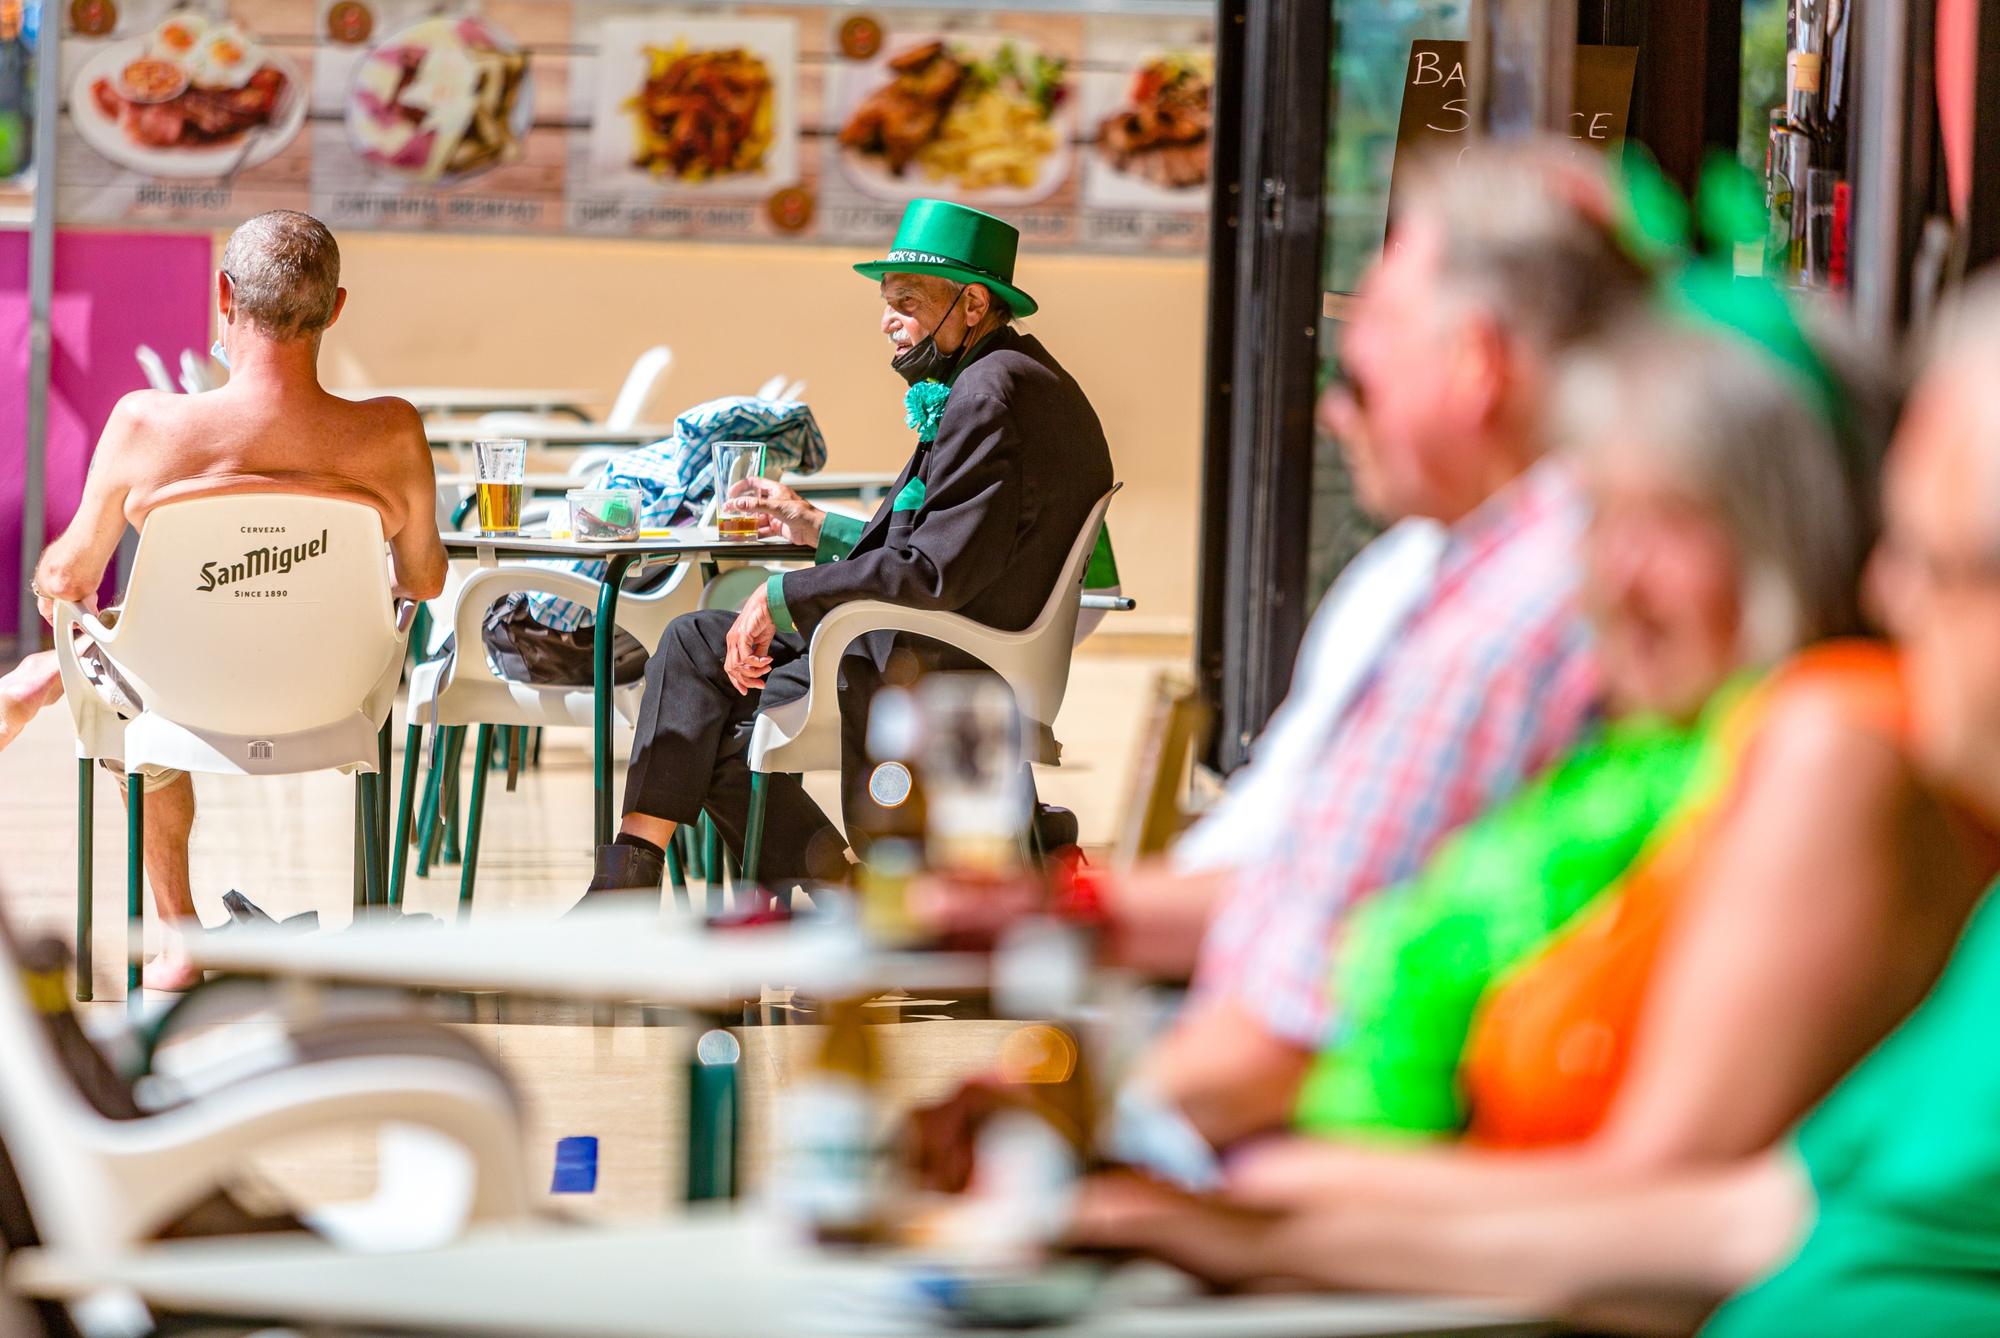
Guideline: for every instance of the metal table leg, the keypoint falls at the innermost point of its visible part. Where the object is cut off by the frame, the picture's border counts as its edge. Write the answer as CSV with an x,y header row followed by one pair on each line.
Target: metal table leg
x,y
602,641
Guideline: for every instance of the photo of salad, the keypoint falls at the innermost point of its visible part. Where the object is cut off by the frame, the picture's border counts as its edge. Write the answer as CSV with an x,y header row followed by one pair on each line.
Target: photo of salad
x,y
702,114
194,97
949,116
1160,134
440,101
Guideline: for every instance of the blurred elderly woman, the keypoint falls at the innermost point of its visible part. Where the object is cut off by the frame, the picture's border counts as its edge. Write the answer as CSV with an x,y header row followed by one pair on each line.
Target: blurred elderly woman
x,y
1794,900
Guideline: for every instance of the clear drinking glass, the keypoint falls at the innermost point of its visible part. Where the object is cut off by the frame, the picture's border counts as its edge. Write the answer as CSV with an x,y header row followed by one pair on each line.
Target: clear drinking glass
x,y
501,467
734,462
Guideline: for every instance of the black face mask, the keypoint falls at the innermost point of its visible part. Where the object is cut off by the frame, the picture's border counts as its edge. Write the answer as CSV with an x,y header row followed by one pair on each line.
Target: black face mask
x,y
922,361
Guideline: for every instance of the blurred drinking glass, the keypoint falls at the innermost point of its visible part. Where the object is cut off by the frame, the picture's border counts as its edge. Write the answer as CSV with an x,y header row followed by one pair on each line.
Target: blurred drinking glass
x,y
735,462
975,775
502,468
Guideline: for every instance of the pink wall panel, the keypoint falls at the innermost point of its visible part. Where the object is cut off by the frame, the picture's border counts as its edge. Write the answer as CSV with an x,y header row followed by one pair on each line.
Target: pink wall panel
x,y
114,291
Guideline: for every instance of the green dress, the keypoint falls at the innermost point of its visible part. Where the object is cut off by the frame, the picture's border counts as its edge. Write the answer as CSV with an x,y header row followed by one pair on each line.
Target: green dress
x,y
1415,961
1904,1159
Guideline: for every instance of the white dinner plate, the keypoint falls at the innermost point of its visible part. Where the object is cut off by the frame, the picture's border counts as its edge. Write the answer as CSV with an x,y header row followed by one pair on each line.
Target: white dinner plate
x,y
104,134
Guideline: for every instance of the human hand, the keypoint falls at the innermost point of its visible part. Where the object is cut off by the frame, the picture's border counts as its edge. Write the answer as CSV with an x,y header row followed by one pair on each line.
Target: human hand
x,y
746,659
778,509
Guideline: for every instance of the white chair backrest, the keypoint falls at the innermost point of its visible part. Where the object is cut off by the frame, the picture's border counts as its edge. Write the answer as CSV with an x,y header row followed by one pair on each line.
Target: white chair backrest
x,y
795,391
196,374
640,382
1054,631
257,613
769,390
154,367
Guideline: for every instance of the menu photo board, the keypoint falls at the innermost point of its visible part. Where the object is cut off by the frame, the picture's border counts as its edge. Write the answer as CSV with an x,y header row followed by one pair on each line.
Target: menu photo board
x,y
1437,102
720,120
976,108
690,125
191,114
1147,94
448,117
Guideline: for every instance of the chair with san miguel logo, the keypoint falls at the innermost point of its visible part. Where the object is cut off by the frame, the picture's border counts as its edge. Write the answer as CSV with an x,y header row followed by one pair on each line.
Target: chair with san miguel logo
x,y
258,637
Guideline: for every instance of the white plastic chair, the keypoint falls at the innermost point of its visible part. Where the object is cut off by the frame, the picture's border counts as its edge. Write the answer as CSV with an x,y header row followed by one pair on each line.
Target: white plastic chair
x,y
260,638
795,391
464,690
196,373
155,368
97,1181
804,735
648,370
769,390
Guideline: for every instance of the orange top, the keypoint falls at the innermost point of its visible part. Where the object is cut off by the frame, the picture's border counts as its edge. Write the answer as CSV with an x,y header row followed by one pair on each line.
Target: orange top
x,y
1550,1046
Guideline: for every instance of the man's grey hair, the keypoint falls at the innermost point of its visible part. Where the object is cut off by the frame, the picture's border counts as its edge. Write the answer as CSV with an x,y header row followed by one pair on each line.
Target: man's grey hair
x,y
284,268
1797,492
1529,236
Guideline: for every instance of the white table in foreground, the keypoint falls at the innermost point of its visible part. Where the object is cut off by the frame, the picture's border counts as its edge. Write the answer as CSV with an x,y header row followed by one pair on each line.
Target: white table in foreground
x,y
480,399
710,1275
613,955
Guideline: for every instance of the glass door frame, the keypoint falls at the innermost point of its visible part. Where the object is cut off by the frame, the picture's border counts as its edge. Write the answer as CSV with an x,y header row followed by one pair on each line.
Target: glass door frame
x,y
1272,126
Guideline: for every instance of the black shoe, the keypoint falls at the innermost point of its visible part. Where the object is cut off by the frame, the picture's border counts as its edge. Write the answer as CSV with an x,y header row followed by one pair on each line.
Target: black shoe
x,y
622,870
247,913
1055,828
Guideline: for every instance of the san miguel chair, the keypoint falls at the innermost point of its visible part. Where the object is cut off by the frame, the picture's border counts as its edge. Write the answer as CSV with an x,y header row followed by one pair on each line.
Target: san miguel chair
x,y
86,1171
804,735
258,637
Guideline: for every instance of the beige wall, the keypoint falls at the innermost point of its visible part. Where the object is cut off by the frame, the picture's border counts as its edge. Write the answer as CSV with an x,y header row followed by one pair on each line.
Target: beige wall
x,y
562,312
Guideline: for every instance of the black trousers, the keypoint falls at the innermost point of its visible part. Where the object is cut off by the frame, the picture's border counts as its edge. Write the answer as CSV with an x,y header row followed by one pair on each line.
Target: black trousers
x,y
691,753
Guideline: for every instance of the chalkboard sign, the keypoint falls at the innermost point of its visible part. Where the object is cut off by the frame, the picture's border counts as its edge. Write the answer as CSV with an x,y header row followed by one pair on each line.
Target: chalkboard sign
x,y
1437,101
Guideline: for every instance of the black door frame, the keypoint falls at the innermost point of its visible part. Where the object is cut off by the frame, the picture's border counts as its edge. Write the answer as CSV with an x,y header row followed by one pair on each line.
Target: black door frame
x,y
1264,304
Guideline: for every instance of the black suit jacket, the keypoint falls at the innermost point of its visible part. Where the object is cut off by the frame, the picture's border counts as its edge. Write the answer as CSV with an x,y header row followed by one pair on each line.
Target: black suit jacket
x,y
1019,461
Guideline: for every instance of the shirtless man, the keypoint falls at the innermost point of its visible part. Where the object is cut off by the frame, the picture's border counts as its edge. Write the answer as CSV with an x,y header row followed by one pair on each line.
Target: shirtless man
x,y
271,429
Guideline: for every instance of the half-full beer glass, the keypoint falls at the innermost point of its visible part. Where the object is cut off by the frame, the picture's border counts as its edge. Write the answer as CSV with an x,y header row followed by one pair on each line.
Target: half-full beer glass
x,y
502,467
735,461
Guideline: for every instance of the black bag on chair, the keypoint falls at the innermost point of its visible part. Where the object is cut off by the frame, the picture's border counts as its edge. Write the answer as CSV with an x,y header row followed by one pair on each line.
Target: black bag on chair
x,y
533,652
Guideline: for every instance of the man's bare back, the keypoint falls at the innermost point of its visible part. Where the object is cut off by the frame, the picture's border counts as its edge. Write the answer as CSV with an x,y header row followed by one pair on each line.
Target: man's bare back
x,y
272,429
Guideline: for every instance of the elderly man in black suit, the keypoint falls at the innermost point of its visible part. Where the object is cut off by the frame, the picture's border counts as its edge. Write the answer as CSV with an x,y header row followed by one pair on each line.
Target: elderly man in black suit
x,y
1010,459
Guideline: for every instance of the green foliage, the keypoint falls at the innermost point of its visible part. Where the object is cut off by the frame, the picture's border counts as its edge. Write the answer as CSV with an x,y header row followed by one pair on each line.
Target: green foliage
x,y
1763,84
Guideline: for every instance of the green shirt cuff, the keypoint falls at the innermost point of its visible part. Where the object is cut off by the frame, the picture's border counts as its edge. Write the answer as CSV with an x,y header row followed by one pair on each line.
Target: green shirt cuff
x,y
837,536
774,597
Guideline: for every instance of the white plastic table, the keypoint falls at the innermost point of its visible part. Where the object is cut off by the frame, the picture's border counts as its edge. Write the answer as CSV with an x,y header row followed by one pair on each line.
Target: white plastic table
x,y
611,954
550,434
440,400
722,1274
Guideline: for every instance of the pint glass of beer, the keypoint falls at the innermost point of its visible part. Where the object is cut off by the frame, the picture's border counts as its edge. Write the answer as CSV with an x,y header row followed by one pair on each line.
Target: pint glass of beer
x,y
735,461
501,467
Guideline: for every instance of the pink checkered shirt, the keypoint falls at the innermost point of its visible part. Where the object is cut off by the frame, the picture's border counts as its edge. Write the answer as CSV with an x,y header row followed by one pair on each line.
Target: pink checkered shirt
x,y
1488,681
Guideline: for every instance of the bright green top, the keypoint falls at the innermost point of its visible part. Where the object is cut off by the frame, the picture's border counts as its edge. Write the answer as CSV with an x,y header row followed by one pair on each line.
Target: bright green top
x,y
1415,961
1904,1159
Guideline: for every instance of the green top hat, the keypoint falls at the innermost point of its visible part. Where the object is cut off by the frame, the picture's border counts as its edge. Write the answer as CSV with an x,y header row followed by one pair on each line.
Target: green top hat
x,y
939,237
